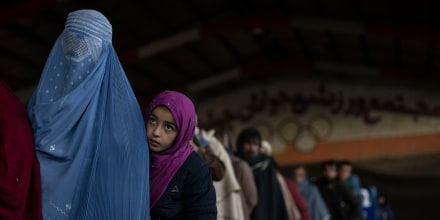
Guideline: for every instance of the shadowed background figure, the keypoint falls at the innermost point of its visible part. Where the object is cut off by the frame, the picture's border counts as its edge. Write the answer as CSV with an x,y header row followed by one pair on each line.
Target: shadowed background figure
x,y
20,187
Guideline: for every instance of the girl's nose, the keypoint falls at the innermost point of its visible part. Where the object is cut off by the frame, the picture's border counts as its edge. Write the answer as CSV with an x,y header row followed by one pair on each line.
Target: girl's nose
x,y
156,130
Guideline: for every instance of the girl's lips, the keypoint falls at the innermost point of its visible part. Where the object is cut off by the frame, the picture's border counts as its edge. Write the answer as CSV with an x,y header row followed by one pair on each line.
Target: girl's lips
x,y
154,144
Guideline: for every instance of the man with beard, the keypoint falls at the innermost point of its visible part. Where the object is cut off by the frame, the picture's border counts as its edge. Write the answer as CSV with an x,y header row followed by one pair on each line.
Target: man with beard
x,y
270,198
340,203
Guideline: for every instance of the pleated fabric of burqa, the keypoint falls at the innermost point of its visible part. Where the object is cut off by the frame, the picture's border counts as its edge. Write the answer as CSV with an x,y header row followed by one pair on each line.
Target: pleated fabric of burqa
x,y
88,128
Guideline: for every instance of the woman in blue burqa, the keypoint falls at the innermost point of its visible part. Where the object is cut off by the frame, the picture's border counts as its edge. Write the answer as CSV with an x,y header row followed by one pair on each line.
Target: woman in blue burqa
x,y
88,128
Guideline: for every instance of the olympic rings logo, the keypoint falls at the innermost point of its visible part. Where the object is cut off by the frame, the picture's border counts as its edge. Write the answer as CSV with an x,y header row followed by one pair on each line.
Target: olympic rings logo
x,y
304,136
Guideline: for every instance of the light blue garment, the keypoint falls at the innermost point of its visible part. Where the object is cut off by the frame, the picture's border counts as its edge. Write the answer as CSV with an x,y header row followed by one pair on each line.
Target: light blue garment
x,y
88,128
315,202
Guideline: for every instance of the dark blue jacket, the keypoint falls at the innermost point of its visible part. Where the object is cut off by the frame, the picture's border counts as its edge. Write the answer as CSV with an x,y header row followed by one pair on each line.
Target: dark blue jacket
x,y
189,195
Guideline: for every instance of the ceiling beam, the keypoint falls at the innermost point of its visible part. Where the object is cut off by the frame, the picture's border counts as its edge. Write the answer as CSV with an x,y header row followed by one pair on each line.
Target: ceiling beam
x,y
202,58
156,16
304,45
333,46
24,8
27,33
259,22
177,68
231,49
20,58
159,46
289,66
269,44
365,49
137,73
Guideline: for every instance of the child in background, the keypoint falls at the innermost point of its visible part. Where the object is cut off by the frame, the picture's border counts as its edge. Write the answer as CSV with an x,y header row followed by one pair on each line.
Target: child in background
x,y
385,211
368,210
180,181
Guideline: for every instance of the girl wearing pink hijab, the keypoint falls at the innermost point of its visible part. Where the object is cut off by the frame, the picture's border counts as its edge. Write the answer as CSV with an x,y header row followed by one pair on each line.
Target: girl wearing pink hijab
x,y
180,183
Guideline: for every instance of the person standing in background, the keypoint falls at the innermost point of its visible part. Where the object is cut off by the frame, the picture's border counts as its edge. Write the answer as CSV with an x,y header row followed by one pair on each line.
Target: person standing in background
x,y
20,186
271,203
368,210
228,189
88,128
310,191
385,210
249,193
296,203
338,199
352,182
244,175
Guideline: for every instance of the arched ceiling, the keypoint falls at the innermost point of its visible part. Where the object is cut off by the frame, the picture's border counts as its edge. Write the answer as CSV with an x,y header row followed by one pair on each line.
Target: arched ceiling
x,y
207,47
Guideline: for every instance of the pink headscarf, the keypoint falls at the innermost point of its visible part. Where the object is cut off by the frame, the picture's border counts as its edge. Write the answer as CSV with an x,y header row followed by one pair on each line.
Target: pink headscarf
x,y
165,164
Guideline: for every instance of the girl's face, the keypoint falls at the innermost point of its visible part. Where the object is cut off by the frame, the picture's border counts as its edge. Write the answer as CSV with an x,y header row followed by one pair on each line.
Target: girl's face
x,y
161,129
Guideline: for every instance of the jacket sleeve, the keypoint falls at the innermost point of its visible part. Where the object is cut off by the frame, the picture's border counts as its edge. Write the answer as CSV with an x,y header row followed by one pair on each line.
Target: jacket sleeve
x,y
199,193
215,165
249,188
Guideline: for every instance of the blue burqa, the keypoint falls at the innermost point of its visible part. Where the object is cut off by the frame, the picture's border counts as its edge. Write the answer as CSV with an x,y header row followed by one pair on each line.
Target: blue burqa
x,y
88,128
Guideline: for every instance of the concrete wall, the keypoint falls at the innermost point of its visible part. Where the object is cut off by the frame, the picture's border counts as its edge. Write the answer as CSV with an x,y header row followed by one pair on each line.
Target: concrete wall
x,y
307,121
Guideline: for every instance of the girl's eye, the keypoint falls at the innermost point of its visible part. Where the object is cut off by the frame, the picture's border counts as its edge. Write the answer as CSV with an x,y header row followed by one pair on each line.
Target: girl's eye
x,y
152,121
169,127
